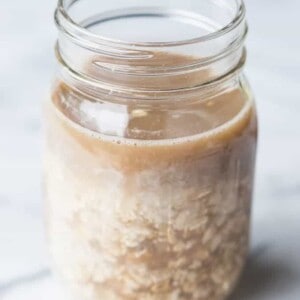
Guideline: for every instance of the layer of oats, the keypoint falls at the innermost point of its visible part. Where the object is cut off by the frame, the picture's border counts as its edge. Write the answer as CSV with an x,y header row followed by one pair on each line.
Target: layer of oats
x,y
163,235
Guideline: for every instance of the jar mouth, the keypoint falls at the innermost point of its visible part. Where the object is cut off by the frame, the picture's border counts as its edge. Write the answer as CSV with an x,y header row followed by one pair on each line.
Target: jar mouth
x,y
79,30
209,48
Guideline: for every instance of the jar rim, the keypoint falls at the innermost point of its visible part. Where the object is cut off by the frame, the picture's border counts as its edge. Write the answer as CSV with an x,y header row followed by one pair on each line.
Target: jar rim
x,y
65,22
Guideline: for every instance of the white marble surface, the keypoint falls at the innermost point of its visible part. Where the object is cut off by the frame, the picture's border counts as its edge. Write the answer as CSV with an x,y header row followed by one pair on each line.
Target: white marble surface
x,y
27,36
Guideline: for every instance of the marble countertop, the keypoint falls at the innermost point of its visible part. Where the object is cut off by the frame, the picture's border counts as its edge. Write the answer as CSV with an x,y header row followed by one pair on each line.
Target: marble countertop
x,y
27,64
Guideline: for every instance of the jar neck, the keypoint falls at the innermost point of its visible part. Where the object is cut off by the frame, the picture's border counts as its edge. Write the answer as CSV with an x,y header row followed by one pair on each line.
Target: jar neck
x,y
97,64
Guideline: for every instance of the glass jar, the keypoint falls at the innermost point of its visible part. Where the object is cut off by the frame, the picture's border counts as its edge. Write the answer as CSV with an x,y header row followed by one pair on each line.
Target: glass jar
x,y
151,141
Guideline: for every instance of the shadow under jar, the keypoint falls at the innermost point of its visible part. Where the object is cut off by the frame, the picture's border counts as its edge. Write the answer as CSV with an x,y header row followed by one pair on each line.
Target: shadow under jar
x,y
151,141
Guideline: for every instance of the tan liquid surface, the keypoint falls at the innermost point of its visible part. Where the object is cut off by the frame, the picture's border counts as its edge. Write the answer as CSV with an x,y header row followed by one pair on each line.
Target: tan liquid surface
x,y
153,207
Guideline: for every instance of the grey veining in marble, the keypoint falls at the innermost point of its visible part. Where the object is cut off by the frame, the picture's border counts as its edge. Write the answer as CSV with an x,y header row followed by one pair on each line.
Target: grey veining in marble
x,y
27,36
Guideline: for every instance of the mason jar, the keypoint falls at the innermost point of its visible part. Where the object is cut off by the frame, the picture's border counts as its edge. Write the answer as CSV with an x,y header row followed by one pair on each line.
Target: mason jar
x,y
151,141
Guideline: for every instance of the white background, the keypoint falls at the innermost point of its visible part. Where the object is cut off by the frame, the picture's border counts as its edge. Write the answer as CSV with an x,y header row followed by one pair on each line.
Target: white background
x,y
27,36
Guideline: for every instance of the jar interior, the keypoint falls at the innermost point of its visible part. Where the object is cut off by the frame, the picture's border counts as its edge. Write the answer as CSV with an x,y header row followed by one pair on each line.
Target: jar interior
x,y
170,21
158,26
150,151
